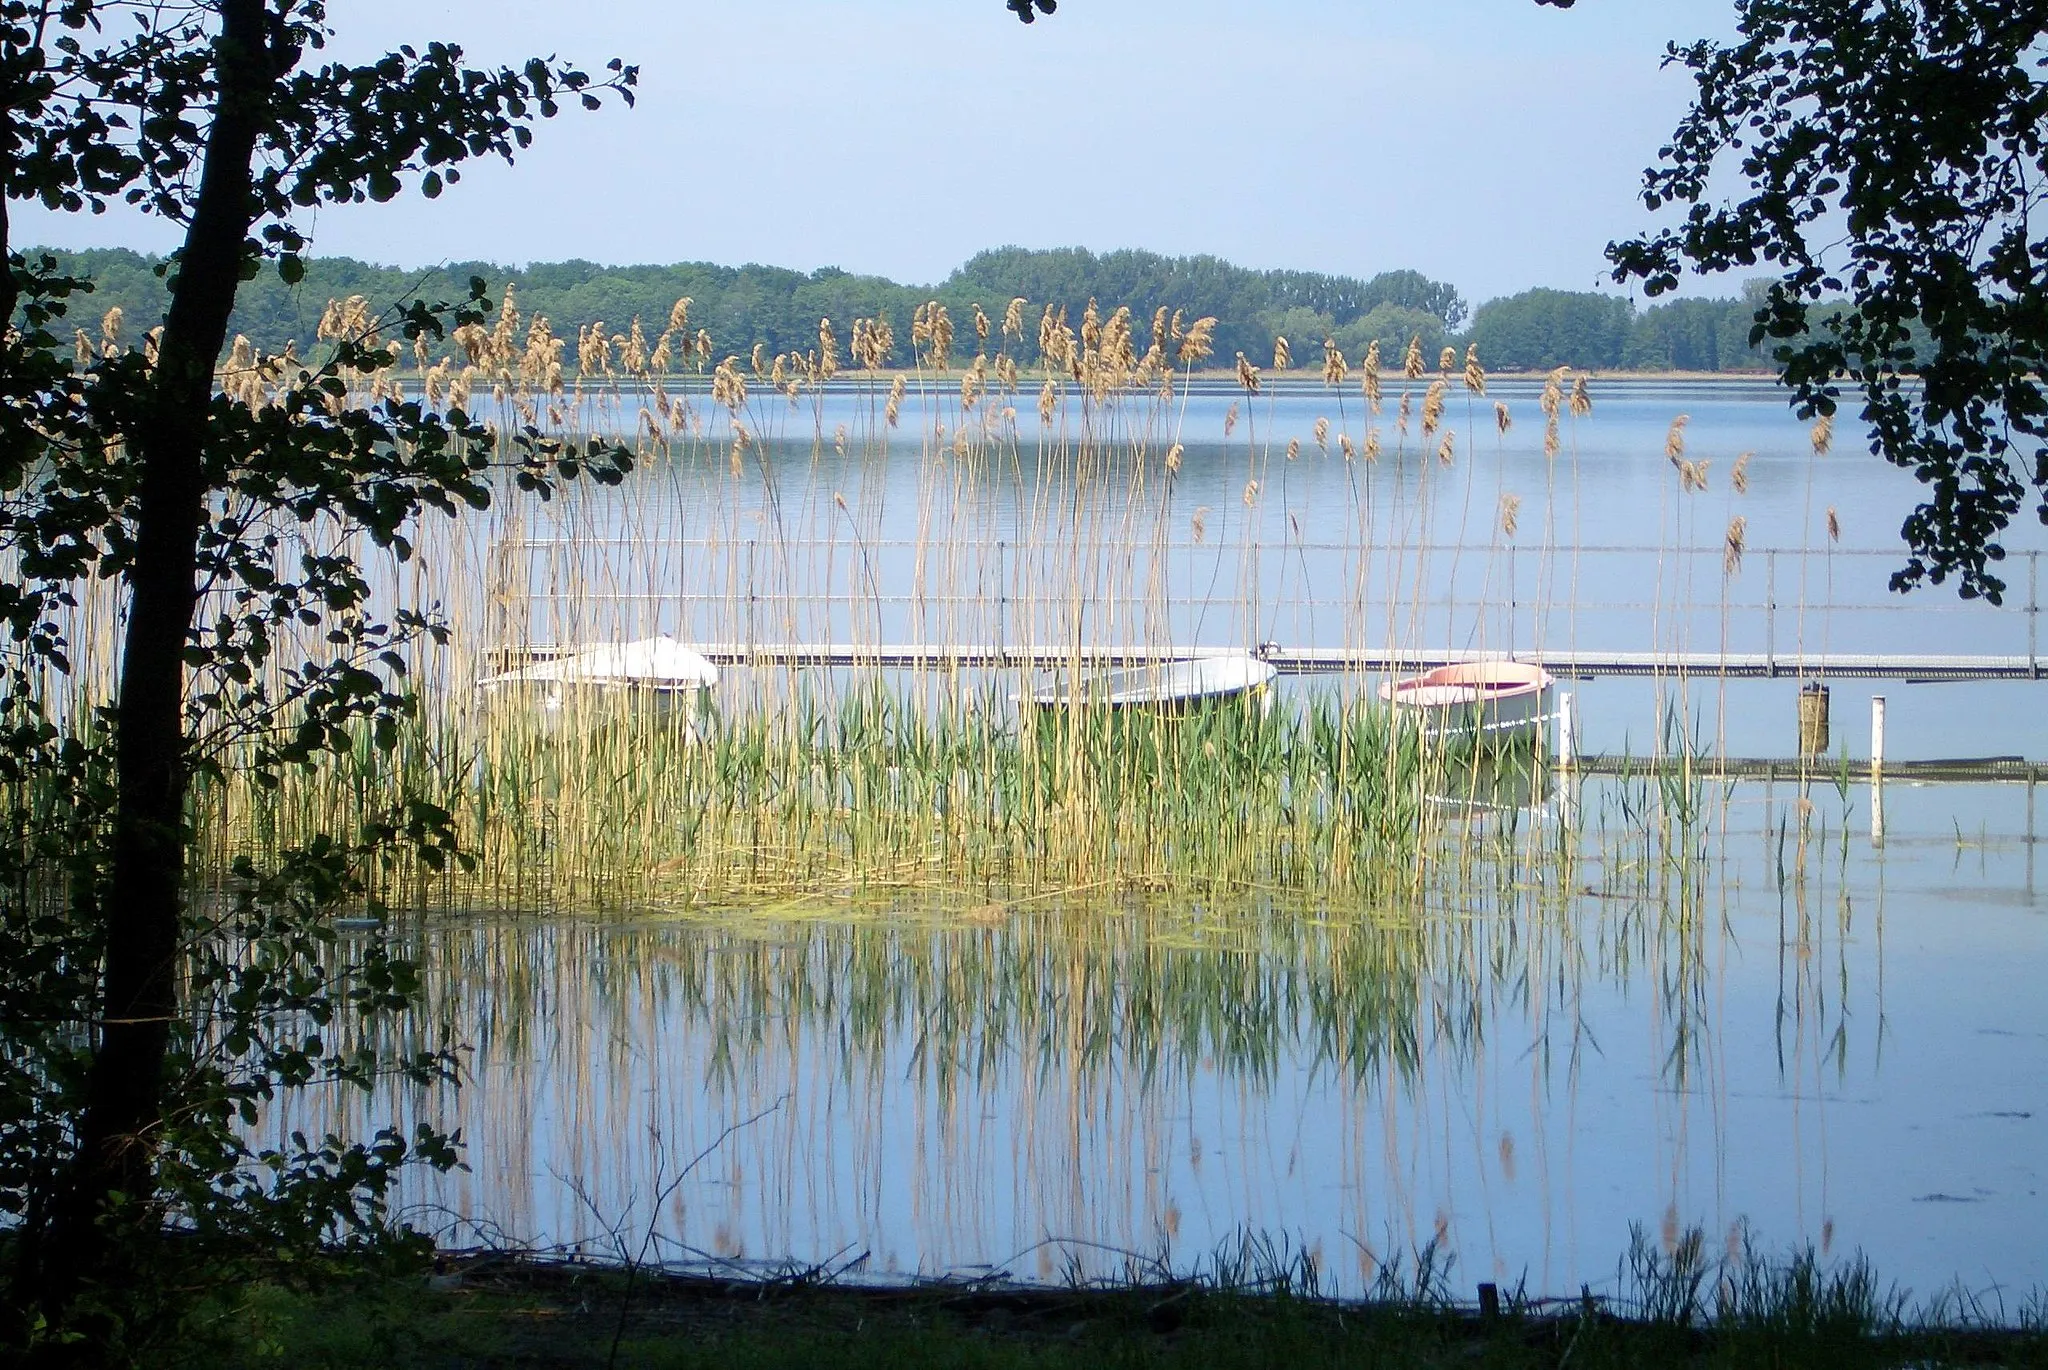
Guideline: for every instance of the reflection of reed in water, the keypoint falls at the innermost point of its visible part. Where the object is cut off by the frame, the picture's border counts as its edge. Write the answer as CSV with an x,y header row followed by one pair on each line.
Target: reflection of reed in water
x,y
1258,893
951,1087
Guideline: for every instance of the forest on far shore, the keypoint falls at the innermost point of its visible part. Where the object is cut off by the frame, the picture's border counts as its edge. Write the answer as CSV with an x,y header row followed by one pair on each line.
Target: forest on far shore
x,y
779,308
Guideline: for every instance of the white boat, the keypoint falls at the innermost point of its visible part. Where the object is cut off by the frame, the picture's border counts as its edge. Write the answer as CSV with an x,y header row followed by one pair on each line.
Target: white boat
x,y
1166,686
657,670
1496,699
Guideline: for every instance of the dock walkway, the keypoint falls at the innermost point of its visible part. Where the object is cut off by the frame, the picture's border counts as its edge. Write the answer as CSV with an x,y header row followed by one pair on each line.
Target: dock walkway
x,y
1574,664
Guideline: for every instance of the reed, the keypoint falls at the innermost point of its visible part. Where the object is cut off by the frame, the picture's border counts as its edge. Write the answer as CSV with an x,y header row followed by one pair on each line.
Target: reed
x,y
756,518
1061,894
1068,1026
883,793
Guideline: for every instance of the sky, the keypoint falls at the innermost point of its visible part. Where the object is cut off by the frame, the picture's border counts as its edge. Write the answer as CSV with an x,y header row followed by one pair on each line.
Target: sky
x,y
1494,144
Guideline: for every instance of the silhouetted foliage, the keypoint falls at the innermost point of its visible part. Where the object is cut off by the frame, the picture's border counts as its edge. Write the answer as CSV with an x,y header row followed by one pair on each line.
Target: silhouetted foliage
x,y
1895,158
145,1028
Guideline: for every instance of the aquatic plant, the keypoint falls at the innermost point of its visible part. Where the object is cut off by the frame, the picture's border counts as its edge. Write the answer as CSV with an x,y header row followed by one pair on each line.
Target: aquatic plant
x,y
1054,547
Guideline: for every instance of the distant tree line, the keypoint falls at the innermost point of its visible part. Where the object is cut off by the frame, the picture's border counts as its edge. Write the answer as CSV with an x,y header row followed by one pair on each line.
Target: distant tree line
x,y
780,308
1251,307
1541,329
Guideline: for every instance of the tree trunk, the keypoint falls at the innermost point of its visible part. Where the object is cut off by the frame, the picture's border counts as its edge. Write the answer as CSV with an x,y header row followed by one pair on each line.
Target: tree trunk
x,y
118,1132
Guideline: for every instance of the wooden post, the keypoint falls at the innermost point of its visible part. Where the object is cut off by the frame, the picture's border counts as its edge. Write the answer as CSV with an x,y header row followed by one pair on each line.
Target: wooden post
x,y
1813,719
1876,734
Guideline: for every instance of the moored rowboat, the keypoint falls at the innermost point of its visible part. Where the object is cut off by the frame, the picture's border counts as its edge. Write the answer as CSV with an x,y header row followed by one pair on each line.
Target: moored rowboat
x,y
658,670
1495,698
1161,685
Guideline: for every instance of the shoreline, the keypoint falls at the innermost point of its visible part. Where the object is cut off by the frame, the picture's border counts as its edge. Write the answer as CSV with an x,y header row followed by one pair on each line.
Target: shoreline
x,y
571,1311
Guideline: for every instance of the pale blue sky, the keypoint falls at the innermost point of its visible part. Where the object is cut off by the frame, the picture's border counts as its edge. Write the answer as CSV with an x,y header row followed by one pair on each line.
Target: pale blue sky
x,y
1491,143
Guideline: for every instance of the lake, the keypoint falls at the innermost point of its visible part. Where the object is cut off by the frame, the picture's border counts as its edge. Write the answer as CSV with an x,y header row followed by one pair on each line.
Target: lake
x,y
1641,1005
838,528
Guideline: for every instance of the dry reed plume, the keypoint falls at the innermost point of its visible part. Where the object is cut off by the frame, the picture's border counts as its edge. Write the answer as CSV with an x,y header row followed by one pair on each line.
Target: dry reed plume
x,y
1411,365
1674,439
772,798
1433,407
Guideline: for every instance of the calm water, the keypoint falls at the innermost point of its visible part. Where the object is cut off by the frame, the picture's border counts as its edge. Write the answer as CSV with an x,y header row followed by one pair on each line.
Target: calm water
x,y
1760,1019
1838,1046
836,528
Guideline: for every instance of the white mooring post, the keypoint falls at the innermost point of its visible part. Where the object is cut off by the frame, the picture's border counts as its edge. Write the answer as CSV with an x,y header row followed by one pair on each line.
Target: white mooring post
x,y
1564,759
1877,770
1564,752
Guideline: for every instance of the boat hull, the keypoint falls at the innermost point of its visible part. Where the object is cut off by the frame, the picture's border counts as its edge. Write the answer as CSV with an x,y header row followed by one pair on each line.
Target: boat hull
x,y
1160,687
656,677
1495,700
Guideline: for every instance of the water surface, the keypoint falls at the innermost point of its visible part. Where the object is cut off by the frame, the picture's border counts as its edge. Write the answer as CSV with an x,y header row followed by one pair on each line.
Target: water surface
x,y
1724,1007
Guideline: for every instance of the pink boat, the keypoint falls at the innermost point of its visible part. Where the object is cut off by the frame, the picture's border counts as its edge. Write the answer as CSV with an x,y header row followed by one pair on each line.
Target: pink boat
x,y
1499,698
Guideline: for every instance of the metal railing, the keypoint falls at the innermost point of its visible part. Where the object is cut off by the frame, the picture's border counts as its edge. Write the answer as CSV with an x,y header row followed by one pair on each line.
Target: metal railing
x,y
1778,611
